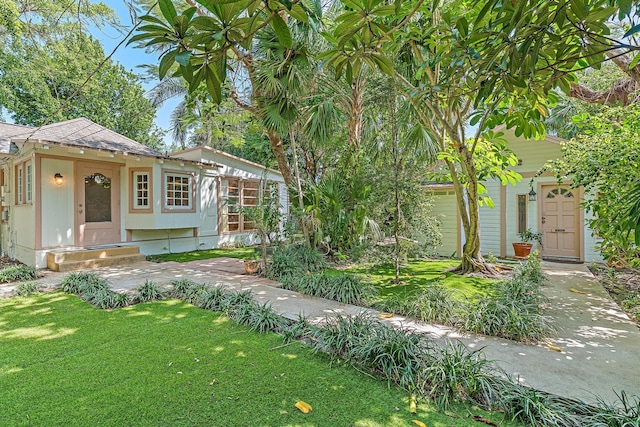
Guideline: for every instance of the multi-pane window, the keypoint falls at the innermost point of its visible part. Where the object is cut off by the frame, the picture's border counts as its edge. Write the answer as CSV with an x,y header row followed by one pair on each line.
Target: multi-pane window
x,y
20,184
238,194
29,192
178,190
141,189
24,183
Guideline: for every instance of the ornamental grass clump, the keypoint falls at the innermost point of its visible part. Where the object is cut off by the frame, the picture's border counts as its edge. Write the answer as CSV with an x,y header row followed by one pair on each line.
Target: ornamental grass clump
x,y
263,318
26,289
514,310
181,287
414,362
17,273
94,290
212,298
294,260
338,286
457,374
536,408
150,291
433,304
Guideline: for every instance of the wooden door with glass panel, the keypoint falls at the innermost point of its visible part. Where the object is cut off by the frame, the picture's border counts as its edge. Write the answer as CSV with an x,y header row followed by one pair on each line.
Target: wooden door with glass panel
x,y
97,203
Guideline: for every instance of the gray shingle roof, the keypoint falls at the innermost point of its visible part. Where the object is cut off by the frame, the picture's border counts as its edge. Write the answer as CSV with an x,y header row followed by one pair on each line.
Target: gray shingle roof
x,y
7,132
82,133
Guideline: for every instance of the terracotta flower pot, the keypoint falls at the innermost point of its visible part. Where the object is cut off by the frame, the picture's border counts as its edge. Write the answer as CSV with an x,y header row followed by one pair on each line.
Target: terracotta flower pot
x,y
522,250
252,266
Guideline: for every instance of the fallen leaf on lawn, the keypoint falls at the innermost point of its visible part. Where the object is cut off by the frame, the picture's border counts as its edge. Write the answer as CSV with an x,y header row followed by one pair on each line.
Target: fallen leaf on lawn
x,y
385,315
576,291
443,276
419,423
304,407
554,348
212,382
483,420
413,404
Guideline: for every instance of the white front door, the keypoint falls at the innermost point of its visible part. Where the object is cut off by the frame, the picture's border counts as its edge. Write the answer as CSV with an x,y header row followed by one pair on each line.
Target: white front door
x,y
97,203
560,222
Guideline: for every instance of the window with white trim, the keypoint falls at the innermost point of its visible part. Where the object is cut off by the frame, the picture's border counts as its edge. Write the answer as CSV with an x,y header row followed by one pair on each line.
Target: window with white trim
x,y
141,190
28,184
20,185
178,191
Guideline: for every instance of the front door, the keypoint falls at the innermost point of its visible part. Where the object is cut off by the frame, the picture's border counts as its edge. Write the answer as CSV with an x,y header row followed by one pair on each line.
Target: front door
x,y
97,203
560,222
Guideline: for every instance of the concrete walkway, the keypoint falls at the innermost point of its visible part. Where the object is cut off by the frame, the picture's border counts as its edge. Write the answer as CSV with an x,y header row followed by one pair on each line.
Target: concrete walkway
x,y
600,345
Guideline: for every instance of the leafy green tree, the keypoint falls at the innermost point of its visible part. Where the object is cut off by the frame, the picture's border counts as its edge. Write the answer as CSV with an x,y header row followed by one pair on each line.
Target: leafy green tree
x,y
490,63
51,70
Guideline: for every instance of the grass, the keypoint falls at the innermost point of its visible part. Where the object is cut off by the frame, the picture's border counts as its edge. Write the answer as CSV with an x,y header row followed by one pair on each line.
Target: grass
x,y
65,362
419,273
242,253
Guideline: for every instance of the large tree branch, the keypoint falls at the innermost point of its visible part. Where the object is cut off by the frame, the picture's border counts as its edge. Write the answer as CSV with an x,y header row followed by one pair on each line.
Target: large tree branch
x,y
622,91
623,61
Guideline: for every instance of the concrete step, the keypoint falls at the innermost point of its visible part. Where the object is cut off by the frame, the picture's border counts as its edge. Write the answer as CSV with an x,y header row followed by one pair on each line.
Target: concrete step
x,y
83,258
89,264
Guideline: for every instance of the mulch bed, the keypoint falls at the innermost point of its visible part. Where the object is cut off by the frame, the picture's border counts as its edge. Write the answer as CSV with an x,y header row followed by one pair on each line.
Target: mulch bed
x,y
624,287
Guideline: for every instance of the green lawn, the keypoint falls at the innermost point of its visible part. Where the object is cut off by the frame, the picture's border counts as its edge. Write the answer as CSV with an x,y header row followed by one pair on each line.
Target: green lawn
x,y
242,253
64,362
417,273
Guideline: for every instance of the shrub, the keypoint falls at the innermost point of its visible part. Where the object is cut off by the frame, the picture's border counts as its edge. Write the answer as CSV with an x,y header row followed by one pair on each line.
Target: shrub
x,y
530,271
263,318
432,304
150,291
212,298
108,299
458,374
236,301
293,260
514,310
299,329
338,286
26,289
181,287
16,273
508,318
623,413
83,284
194,293
71,282
534,407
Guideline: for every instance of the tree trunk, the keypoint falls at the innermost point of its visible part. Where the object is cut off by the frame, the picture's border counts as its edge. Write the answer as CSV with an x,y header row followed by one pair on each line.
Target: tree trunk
x,y
278,151
356,111
472,260
303,225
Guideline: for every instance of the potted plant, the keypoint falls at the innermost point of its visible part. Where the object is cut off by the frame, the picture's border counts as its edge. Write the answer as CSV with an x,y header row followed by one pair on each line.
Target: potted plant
x,y
253,265
522,249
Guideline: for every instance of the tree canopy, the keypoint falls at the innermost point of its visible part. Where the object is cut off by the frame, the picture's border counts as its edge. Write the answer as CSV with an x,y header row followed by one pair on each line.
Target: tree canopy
x,y
485,63
52,69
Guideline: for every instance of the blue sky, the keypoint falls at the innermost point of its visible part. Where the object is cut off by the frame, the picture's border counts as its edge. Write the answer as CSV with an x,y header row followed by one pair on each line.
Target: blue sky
x,y
130,57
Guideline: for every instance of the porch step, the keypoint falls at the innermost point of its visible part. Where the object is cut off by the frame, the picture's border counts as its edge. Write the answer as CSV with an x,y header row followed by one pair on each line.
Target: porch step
x,y
83,259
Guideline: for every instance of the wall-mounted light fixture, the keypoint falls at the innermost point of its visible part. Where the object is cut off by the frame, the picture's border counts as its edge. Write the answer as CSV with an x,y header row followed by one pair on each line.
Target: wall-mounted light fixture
x,y
532,195
58,178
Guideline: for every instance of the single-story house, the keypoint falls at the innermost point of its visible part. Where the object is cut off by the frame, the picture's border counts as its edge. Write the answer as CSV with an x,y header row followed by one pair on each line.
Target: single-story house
x,y
555,210
76,184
